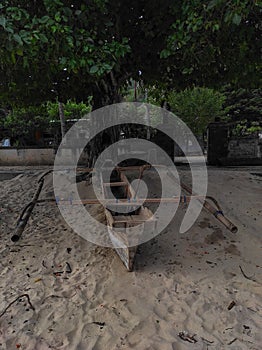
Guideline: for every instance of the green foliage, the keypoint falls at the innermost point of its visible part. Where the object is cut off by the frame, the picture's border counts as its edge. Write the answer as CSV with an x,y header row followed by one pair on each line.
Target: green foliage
x,y
135,91
65,35
197,107
246,128
157,94
243,104
220,37
22,121
72,110
54,47
72,49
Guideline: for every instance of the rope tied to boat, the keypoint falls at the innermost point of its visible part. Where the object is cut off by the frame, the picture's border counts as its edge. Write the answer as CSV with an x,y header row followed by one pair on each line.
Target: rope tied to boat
x,y
218,212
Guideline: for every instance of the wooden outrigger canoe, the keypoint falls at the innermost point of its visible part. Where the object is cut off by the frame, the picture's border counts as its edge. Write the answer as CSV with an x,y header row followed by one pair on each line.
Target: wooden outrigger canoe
x,y
119,224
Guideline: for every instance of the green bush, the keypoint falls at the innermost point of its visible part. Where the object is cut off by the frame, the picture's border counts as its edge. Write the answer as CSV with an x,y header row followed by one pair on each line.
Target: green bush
x,y
72,110
22,121
246,128
197,107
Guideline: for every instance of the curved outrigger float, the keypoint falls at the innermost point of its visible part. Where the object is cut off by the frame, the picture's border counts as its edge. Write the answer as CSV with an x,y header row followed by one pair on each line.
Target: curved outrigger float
x,y
135,212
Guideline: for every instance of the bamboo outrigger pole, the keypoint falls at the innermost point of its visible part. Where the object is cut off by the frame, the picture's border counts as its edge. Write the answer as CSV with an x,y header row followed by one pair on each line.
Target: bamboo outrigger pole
x,y
122,202
218,213
26,213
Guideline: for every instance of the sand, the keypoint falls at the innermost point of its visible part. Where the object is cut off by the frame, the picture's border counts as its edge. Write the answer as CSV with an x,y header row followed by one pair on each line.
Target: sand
x,y
181,282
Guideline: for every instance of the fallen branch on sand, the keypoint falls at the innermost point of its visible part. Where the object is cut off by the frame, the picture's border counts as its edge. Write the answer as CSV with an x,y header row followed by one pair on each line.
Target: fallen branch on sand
x,y
19,297
251,278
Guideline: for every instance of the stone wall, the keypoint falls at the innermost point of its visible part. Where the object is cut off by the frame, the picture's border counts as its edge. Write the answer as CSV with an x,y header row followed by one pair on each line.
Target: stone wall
x,y
245,148
224,149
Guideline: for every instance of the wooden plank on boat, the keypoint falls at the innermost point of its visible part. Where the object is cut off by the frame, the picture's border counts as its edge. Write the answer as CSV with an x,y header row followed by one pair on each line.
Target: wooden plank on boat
x,y
130,191
114,184
119,225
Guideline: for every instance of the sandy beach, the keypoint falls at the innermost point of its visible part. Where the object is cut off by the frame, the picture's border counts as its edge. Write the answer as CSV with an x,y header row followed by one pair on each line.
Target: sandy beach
x,y
197,290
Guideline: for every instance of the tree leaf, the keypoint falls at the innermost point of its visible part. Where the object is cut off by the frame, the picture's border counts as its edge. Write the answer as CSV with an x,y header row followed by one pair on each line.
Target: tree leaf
x,y
93,69
19,52
43,38
212,4
10,30
18,39
236,19
164,53
13,57
44,19
2,21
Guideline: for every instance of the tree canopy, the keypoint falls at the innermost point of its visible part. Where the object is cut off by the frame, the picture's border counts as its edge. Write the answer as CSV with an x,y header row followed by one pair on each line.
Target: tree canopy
x,y
72,49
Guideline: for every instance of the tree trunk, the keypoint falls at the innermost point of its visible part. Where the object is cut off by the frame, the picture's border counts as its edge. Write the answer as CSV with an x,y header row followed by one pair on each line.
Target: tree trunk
x,y
147,121
62,118
106,93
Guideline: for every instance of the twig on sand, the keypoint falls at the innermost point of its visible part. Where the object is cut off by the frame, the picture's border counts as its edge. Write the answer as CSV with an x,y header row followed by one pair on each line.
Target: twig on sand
x,y
187,337
58,273
207,341
251,278
231,305
101,324
68,268
232,341
19,297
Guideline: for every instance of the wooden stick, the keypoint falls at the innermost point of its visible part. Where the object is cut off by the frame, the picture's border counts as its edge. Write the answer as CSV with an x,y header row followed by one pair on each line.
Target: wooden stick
x,y
124,202
114,184
20,296
232,341
24,217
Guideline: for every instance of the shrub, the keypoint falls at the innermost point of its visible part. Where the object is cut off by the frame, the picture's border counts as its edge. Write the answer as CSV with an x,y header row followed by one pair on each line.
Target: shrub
x,y
197,107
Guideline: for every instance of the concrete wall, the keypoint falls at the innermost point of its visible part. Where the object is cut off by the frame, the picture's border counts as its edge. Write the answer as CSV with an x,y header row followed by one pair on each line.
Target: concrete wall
x,y
37,156
26,156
